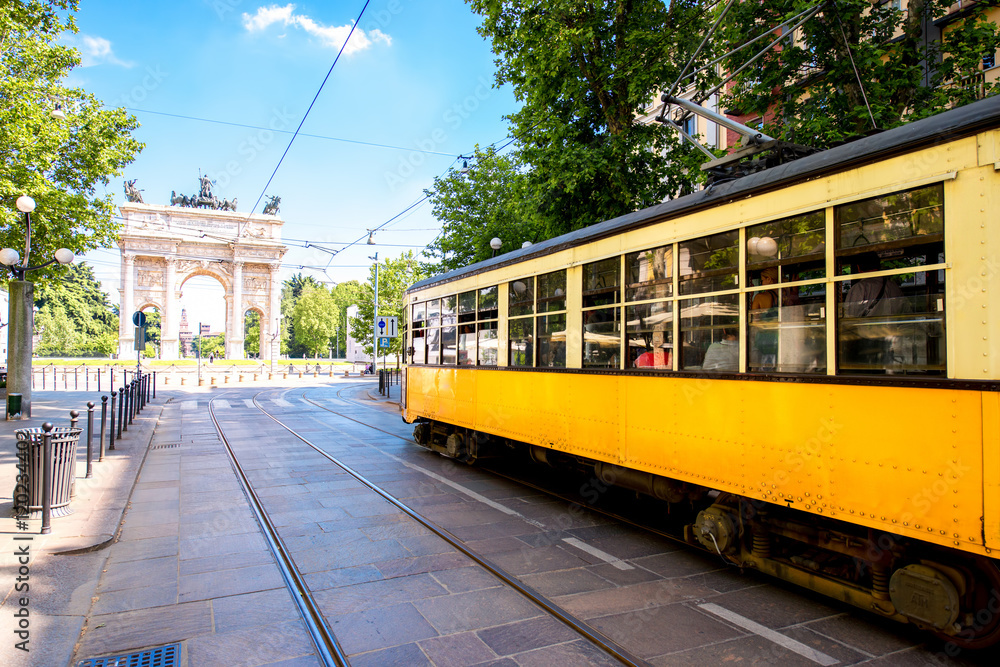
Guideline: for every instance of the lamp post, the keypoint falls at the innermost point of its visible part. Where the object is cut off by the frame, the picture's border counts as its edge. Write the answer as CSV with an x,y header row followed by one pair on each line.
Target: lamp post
x,y
495,243
21,316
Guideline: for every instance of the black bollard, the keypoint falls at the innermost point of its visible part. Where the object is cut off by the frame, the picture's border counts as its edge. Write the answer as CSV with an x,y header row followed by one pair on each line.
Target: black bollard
x,y
121,410
104,416
154,385
90,439
111,435
74,418
46,478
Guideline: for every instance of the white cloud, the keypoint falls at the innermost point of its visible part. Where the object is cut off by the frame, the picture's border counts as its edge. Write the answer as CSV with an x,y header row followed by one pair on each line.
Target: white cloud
x,y
95,51
329,36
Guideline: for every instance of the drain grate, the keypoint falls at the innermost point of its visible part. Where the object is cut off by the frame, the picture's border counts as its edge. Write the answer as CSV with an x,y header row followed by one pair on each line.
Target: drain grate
x,y
176,444
161,656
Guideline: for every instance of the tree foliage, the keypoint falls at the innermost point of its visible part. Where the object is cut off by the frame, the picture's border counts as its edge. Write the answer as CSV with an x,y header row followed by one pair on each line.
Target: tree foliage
x,y
345,295
291,290
856,66
584,70
395,275
476,204
60,164
251,332
74,315
316,318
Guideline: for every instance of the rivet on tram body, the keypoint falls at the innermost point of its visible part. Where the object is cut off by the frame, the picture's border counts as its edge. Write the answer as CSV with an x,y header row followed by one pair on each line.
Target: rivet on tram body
x,y
894,521
905,524
944,532
882,518
957,543
956,535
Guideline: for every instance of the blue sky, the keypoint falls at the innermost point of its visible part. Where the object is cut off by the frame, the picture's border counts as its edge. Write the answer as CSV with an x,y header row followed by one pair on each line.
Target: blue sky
x,y
412,92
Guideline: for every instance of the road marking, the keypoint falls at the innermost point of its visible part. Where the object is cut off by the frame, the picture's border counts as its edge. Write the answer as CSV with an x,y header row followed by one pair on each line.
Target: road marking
x,y
189,405
249,402
597,553
280,402
787,642
222,403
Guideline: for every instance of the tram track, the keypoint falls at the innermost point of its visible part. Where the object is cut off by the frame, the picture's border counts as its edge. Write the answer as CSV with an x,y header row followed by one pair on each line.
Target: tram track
x,y
328,648
324,639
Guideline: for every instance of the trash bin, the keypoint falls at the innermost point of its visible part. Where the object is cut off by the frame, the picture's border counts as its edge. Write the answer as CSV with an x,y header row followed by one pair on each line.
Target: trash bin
x,y
63,467
13,406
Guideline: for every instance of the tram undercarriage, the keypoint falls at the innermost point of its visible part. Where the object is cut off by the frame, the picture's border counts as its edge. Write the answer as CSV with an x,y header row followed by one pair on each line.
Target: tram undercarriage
x,y
953,595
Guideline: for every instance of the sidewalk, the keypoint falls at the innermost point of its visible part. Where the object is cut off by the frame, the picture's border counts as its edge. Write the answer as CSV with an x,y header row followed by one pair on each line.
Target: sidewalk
x,y
49,587
161,546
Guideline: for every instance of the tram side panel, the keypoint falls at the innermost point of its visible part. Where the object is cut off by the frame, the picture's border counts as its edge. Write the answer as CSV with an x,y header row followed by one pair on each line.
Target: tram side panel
x,y
898,459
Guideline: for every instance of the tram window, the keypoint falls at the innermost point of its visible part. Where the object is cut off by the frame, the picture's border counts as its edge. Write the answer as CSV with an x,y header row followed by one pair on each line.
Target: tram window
x,y
709,331
903,229
600,282
488,343
786,330
649,274
602,337
649,330
467,307
488,303
521,297
794,246
448,309
467,345
551,341
892,325
449,343
552,292
434,313
419,311
709,264
520,341
419,347
433,337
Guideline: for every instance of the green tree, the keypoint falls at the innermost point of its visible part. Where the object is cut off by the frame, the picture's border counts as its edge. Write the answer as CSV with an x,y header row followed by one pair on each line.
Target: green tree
x,y
584,70
477,204
57,335
251,332
291,290
60,164
80,299
856,66
315,318
345,295
394,276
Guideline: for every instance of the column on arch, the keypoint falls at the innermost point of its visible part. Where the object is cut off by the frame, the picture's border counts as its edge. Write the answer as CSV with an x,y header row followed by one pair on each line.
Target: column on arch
x,y
235,348
126,330
271,320
169,324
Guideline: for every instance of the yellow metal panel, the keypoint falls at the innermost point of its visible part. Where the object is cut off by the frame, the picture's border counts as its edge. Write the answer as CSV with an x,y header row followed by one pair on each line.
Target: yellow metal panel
x,y
904,460
971,239
991,469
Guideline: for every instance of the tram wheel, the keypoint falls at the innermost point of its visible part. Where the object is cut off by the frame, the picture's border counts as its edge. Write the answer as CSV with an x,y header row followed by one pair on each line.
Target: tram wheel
x,y
984,630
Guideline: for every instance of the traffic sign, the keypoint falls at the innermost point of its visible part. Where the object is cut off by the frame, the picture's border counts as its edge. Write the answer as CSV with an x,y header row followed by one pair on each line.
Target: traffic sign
x,y
139,318
386,326
383,342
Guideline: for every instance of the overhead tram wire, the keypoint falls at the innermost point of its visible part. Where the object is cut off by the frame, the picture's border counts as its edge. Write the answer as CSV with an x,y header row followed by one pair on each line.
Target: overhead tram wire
x,y
306,114
301,134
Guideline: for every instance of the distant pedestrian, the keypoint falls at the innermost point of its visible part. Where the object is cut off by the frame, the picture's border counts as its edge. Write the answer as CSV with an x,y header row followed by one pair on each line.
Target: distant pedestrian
x,y
211,358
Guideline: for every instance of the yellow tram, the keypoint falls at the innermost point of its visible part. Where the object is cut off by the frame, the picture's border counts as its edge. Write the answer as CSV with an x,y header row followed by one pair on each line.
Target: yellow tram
x,y
805,358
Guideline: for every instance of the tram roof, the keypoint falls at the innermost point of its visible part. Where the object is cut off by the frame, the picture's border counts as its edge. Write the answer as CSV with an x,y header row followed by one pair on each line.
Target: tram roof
x,y
943,127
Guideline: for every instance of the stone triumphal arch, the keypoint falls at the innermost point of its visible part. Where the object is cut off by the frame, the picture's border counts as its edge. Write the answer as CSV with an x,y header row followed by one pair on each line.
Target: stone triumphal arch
x,y
163,246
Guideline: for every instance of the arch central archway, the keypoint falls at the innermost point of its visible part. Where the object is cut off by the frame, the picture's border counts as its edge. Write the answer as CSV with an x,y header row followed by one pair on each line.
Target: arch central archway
x,y
163,246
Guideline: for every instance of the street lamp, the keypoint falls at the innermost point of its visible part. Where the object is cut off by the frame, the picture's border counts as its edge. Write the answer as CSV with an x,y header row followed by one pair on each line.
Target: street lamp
x,y
21,316
495,243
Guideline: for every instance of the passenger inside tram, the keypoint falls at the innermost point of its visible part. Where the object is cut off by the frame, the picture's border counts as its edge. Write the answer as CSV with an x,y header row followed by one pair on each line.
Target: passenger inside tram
x,y
723,355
